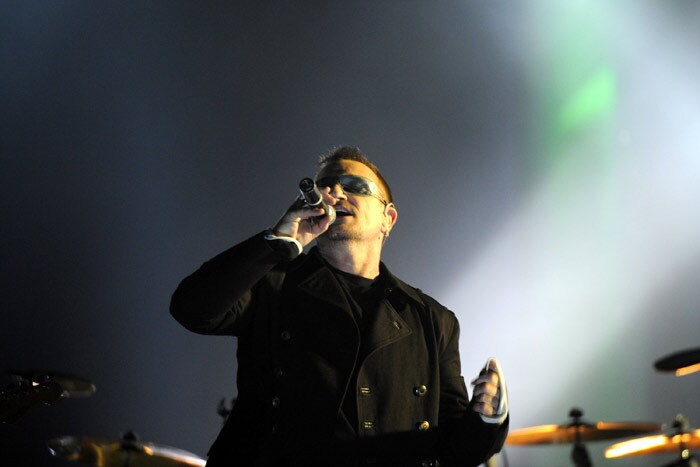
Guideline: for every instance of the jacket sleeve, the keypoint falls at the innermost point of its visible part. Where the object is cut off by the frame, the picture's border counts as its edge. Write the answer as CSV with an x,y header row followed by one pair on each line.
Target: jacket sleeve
x,y
465,439
220,296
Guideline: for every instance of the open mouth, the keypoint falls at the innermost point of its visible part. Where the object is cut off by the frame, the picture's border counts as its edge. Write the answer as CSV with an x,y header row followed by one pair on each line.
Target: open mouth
x,y
342,212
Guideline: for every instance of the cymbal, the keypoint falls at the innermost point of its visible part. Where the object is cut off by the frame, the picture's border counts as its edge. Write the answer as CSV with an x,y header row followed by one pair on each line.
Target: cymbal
x,y
572,433
579,431
74,387
683,362
124,452
655,444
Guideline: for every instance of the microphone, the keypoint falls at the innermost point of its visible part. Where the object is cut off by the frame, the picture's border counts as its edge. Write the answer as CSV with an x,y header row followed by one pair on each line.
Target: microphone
x,y
312,196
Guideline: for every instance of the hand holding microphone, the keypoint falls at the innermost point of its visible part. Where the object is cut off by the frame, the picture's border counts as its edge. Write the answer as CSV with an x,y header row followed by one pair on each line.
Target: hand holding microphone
x,y
308,217
312,196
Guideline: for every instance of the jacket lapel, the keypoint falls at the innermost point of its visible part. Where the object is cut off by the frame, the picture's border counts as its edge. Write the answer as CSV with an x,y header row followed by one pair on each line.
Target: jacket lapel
x,y
322,285
387,325
386,328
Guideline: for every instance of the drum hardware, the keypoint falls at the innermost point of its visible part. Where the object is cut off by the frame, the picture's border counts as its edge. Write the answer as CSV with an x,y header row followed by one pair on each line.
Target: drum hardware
x,y
126,451
682,363
19,394
578,432
680,439
21,390
74,387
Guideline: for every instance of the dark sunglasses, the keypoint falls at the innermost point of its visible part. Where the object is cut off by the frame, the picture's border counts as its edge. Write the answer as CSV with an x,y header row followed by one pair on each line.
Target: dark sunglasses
x,y
354,184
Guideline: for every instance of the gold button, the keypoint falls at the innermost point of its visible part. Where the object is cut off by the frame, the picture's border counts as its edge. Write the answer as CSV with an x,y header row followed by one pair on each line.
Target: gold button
x,y
424,425
420,391
367,425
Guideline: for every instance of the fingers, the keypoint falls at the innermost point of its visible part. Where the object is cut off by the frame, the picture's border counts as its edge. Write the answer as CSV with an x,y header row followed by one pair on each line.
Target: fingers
x,y
325,221
486,387
304,223
486,377
484,408
485,396
299,210
485,399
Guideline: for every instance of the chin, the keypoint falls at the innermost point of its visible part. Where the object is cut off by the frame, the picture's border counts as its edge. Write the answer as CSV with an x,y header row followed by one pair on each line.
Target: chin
x,y
338,233
335,236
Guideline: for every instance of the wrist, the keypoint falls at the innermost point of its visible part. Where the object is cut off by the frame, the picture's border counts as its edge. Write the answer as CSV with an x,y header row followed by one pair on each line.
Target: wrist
x,y
284,244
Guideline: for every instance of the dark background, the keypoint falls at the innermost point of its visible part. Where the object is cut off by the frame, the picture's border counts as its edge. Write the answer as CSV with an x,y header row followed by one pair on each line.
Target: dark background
x,y
544,158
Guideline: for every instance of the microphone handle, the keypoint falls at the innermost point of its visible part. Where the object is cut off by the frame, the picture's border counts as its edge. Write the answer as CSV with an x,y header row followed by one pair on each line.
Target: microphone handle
x,y
313,197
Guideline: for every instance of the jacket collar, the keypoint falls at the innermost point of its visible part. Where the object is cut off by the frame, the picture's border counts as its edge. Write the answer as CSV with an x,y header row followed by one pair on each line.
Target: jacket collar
x,y
387,325
397,284
320,281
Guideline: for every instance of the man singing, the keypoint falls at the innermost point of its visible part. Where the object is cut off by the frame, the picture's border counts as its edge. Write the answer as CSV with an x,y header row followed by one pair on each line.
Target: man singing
x,y
340,363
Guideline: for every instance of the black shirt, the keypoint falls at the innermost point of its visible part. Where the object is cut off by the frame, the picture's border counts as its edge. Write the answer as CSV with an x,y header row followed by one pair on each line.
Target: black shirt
x,y
364,296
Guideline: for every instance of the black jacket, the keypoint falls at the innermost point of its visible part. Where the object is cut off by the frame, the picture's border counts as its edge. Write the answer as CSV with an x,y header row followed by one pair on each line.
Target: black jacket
x,y
298,345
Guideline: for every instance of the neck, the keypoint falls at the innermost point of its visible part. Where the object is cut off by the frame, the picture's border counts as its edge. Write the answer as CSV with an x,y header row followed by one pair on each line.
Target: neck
x,y
356,258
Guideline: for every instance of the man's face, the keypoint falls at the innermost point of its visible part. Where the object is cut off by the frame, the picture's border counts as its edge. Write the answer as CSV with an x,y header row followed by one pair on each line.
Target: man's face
x,y
359,216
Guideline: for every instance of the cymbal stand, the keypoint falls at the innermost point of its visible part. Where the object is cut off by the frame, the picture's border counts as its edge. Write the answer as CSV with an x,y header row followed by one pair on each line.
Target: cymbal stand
x,y
579,453
128,441
686,459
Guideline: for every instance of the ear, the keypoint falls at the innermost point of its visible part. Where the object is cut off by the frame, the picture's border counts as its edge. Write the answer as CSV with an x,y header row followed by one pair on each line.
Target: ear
x,y
390,217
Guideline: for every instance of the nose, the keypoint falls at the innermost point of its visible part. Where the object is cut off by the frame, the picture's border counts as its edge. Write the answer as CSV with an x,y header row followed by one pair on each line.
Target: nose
x,y
336,190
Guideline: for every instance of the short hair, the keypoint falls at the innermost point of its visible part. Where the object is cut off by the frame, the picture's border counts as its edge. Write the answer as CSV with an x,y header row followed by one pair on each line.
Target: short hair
x,y
353,153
